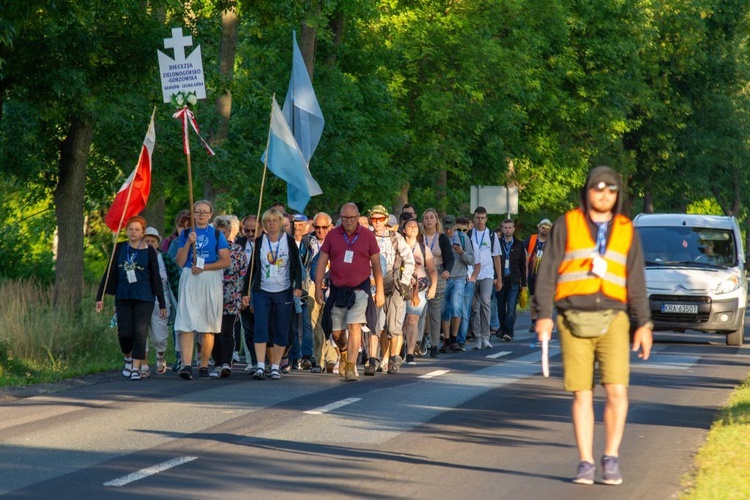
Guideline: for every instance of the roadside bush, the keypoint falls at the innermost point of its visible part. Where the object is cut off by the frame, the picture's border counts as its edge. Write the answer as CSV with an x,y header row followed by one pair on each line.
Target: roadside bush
x,y
39,343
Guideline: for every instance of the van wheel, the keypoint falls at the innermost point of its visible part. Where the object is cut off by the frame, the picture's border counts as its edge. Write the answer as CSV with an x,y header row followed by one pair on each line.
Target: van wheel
x,y
737,337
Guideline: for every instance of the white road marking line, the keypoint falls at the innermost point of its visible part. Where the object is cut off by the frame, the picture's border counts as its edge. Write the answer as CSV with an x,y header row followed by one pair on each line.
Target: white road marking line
x,y
498,354
663,361
436,373
333,406
149,471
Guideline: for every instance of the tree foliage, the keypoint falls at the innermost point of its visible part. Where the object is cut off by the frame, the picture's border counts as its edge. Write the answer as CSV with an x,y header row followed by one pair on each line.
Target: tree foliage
x,y
422,99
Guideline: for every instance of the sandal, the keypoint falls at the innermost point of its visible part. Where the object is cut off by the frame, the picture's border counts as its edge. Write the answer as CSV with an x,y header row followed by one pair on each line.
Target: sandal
x,y
145,371
135,375
161,365
275,375
127,369
286,367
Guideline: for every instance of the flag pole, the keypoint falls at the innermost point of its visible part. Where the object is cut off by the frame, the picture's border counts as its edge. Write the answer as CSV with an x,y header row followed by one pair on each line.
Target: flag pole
x,y
190,187
124,211
260,200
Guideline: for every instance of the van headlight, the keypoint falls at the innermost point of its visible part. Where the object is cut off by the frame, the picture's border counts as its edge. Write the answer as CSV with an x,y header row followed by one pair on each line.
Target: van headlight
x,y
729,285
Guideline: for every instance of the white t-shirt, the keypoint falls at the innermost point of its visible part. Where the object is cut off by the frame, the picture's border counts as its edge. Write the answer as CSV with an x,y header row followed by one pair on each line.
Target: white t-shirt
x,y
274,265
483,253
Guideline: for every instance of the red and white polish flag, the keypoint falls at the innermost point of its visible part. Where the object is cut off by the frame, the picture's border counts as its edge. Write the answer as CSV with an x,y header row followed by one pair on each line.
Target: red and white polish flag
x,y
132,197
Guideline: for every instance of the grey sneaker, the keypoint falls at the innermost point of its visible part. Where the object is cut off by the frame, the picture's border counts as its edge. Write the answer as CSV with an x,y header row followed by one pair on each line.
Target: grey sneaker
x,y
394,364
611,470
586,473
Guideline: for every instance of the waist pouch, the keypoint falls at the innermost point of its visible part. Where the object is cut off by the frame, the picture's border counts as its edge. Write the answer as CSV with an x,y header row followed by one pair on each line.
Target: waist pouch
x,y
588,324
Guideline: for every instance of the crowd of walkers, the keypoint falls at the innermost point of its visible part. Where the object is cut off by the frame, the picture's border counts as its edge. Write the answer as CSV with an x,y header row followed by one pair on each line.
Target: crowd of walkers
x,y
336,292
325,293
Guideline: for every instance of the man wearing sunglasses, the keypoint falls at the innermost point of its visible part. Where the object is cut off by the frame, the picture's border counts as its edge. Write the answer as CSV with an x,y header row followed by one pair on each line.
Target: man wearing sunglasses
x,y
247,317
324,356
593,273
389,334
534,245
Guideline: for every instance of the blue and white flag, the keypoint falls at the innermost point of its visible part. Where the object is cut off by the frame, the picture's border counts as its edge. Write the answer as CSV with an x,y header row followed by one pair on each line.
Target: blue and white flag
x,y
287,162
301,108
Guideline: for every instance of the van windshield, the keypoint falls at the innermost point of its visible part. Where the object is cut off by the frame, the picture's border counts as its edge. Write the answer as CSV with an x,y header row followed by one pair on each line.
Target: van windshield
x,y
681,245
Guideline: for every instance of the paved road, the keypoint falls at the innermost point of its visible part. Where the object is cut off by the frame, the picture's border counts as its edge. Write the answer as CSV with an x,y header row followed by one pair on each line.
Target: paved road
x,y
481,424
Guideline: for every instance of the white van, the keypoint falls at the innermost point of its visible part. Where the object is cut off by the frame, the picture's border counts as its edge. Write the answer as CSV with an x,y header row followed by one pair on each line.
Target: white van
x,y
695,273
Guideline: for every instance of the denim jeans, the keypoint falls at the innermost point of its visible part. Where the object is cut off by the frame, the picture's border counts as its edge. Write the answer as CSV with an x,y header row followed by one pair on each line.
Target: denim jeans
x,y
507,299
306,338
453,299
466,311
494,316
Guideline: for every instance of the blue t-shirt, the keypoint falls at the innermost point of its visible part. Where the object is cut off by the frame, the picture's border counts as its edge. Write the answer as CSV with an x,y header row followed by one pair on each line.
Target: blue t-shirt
x,y
136,260
206,244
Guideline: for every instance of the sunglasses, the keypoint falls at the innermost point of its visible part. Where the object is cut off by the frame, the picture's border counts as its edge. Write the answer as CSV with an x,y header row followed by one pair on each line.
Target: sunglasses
x,y
599,188
320,227
377,219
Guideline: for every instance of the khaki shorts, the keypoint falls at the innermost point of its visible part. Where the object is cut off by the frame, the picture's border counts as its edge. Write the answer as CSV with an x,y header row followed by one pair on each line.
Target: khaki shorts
x,y
356,315
611,350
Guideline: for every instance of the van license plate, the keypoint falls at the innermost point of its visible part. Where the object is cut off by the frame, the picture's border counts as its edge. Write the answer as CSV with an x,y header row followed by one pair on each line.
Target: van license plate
x,y
680,308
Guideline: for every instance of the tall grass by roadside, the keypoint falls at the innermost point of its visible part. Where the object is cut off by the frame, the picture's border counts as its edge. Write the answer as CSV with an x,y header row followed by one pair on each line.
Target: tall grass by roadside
x,y
39,343
722,470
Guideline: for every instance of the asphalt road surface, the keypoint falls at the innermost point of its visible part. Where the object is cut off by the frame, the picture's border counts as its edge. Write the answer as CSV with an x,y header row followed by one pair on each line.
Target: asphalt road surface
x,y
480,424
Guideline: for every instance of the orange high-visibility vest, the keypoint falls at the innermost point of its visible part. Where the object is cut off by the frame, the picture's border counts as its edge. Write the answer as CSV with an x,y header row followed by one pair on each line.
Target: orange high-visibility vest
x,y
574,274
530,249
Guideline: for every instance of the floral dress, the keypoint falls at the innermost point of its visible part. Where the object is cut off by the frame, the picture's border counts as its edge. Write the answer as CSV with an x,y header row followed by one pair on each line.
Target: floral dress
x,y
233,279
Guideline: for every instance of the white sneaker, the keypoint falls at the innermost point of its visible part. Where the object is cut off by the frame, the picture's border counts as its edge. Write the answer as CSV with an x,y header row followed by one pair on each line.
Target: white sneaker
x,y
215,373
236,357
486,344
250,368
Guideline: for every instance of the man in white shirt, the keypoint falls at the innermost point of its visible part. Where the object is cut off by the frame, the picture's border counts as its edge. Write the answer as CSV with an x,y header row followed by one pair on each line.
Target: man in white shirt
x,y
486,253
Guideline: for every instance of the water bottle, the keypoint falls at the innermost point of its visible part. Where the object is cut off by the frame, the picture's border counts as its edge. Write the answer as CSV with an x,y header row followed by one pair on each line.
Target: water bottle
x,y
113,321
297,305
